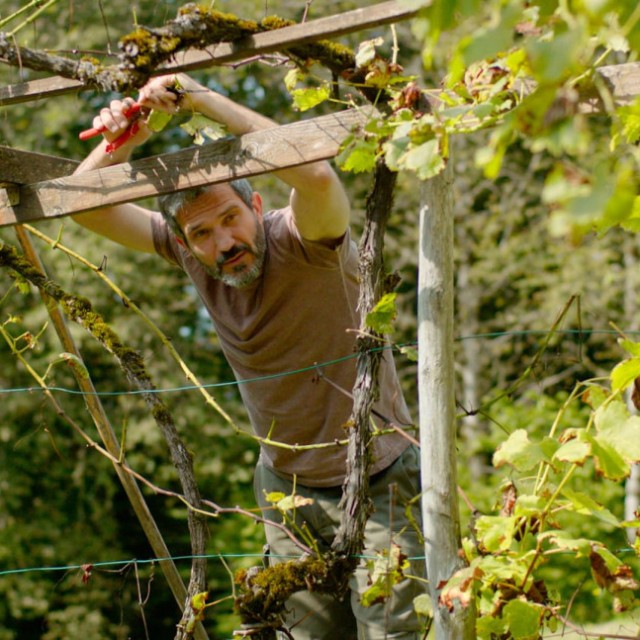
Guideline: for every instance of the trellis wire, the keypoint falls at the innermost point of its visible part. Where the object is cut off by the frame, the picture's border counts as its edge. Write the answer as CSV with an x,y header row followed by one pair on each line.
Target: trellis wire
x,y
230,383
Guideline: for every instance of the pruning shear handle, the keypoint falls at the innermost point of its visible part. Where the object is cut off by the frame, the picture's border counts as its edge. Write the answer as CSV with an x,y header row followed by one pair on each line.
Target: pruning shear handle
x,y
120,140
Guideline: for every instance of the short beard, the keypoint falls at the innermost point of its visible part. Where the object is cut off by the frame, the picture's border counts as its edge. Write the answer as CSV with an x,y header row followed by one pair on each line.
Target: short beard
x,y
244,275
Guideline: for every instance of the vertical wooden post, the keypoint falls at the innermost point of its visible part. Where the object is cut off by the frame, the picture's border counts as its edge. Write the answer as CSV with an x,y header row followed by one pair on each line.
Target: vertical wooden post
x,y
437,402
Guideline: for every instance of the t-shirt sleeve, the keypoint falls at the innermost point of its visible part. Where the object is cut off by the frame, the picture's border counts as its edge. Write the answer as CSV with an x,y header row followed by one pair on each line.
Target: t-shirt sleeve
x,y
163,240
313,252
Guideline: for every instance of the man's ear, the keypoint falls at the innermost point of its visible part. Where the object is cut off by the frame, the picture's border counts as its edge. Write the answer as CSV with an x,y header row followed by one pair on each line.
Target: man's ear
x,y
256,201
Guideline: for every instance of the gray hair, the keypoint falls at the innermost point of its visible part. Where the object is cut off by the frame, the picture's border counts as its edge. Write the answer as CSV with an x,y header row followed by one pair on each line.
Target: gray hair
x,y
172,203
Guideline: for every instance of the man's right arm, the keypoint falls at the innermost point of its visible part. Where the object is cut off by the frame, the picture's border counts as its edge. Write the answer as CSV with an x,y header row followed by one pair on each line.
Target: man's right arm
x,y
126,224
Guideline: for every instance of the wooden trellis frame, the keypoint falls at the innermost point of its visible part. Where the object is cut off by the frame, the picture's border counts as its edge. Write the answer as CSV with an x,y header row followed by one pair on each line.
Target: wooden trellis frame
x,y
37,186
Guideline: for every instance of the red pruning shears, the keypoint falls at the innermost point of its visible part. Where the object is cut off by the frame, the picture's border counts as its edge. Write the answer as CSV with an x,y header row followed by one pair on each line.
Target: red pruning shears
x,y
120,140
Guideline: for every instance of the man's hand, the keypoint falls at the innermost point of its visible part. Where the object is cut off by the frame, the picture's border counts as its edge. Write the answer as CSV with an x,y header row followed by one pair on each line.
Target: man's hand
x,y
121,126
163,93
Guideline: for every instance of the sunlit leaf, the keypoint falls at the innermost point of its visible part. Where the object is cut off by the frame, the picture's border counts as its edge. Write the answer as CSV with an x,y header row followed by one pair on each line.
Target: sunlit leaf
x,y
425,160
358,156
158,120
495,533
367,51
523,619
383,315
575,450
625,373
201,127
304,99
519,452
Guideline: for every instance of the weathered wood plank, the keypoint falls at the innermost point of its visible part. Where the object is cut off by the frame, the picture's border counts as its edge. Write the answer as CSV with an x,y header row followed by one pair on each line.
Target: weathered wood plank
x,y
252,154
623,82
25,167
262,43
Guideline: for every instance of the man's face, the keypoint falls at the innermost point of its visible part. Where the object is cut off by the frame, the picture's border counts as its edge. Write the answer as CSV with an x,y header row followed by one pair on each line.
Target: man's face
x,y
225,235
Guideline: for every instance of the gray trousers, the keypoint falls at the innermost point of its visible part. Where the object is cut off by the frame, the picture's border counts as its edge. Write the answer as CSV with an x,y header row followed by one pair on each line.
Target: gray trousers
x,y
314,616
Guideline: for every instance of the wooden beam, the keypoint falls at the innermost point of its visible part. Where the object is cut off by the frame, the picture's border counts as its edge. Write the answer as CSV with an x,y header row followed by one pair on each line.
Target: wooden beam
x,y
25,167
262,43
622,81
249,155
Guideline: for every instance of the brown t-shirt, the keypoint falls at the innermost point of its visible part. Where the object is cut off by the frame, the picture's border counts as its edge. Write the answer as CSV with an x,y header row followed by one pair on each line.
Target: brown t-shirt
x,y
298,314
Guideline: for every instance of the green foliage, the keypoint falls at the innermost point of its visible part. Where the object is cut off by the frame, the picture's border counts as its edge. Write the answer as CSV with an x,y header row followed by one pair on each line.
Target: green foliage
x,y
385,571
552,516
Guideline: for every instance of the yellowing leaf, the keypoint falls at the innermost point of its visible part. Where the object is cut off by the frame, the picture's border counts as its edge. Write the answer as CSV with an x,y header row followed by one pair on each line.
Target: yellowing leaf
x,y
495,533
386,571
625,373
289,503
304,99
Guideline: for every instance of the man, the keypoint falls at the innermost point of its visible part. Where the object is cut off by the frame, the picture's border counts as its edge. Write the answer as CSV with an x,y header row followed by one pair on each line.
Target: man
x,y
281,288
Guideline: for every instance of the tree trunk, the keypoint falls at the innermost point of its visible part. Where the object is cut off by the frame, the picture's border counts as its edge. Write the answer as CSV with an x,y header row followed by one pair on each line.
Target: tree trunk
x,y
437,403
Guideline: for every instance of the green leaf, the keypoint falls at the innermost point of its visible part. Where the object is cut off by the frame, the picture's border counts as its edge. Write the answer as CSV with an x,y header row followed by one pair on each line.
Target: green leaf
x,y
383,315
386,571
575,450
608,461
292,78
523,619
305,99
582,503
158,120
393,150
488,627
630,122
359,155
486,43
425,160
528,505
409,351
555,59
609,417
624,437
275,496
201,127
495,533
581,546
503,567
423,605
625,373
631,347
519,452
